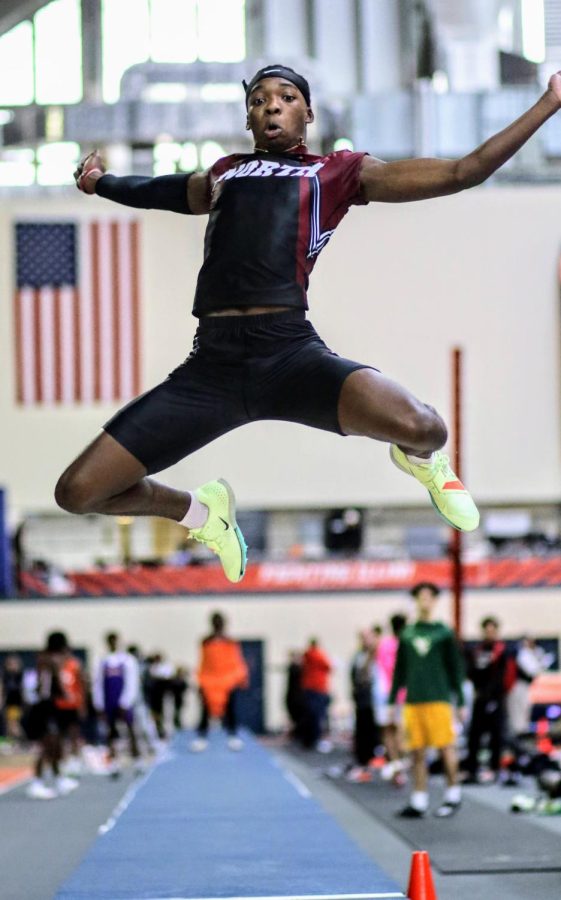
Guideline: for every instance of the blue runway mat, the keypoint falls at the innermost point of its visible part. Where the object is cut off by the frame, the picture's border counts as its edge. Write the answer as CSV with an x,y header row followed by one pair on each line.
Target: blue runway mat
x,y
223,825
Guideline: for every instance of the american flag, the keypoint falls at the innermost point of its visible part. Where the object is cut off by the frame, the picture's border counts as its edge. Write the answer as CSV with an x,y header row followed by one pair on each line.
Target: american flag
x,y
76,312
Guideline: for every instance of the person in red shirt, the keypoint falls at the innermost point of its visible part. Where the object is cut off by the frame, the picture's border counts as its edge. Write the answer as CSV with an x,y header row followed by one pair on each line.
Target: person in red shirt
x,y
316,669
70,706
44,724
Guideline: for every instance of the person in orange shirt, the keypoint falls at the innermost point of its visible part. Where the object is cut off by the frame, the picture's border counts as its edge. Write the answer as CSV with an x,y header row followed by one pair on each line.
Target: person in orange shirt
x,y
316,669
222,672
70,707
43,724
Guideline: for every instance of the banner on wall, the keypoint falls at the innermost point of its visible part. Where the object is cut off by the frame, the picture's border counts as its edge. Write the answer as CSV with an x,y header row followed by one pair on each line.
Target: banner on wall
x,y
76,312
298,578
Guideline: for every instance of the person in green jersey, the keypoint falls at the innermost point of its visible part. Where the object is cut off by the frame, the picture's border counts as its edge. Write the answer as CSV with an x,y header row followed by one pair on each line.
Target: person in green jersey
x,y
429,667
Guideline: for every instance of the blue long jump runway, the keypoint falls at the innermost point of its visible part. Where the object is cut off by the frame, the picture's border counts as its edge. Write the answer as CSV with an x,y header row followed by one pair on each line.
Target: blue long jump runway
x,y
224,825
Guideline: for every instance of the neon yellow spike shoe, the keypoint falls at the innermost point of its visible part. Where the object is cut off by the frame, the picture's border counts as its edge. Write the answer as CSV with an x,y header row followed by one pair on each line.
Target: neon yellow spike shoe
x,y
448,495
220,532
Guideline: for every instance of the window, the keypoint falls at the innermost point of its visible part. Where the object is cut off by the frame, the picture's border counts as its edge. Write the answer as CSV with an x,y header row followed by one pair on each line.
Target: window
x,y
168,31
210,151
221,30
56,162
533,30
17,168
58,52
16,66
170,157
173,30
125,40
166,158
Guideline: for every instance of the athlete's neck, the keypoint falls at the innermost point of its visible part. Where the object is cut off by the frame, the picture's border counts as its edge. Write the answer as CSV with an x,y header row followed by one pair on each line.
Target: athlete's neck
x,y
300,147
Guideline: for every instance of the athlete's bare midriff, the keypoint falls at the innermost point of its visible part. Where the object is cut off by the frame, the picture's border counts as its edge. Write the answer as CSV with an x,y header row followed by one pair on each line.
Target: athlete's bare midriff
x,y
249,311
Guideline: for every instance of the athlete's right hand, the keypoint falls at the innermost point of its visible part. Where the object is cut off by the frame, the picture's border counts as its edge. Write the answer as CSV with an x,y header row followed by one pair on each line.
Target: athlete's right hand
x,y
90,168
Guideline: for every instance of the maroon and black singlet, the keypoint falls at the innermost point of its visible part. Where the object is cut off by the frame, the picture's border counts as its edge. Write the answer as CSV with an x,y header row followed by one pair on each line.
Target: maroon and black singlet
x,y
270,217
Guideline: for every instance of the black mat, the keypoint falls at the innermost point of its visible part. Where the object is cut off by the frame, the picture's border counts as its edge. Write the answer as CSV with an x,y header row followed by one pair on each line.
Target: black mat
x,y
477,839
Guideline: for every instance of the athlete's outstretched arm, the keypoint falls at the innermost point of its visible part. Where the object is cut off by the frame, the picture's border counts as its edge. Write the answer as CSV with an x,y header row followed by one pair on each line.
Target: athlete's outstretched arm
x,y
188,194
420,179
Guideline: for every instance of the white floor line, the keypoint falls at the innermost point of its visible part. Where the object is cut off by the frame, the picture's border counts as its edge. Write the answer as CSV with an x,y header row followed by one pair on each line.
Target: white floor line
x,y
293,780
123,803
132,791
385,896
298,785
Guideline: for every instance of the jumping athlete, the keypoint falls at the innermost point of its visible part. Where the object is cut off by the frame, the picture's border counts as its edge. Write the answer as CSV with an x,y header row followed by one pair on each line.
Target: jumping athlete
x,y
255,354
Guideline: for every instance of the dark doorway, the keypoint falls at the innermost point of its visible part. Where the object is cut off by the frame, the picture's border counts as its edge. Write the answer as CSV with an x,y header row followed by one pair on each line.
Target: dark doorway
x,y
251,705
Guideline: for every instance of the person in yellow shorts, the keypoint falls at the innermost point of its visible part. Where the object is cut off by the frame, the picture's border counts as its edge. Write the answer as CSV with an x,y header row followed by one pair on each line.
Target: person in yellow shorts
x,y
429,667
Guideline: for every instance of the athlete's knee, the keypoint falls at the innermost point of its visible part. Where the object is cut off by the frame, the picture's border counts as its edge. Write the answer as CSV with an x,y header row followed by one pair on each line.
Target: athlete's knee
x,y
437,430
74,493
426,429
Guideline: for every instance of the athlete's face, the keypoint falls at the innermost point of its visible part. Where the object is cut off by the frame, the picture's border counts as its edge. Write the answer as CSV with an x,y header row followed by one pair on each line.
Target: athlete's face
x,y
277,114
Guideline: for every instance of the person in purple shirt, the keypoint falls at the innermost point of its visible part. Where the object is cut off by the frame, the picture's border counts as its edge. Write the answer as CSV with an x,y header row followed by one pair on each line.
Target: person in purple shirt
x,y
115,691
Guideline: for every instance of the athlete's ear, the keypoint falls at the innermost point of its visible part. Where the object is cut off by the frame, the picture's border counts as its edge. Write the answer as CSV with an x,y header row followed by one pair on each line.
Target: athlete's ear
x,y
309,115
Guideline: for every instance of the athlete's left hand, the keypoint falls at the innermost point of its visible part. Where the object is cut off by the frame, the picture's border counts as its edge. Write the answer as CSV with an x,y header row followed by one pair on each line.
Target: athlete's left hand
x,y
554,86
462,714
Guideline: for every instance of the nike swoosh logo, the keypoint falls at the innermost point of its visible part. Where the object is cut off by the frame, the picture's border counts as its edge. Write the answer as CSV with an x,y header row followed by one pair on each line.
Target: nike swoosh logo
x,y
226,525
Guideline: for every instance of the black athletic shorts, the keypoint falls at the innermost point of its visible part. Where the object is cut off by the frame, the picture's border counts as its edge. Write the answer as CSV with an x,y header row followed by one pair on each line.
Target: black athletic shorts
x,y
40,720
66,718
242,369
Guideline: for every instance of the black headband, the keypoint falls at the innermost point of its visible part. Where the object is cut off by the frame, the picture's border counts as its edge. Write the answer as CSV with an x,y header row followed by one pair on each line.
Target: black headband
x,y
279,71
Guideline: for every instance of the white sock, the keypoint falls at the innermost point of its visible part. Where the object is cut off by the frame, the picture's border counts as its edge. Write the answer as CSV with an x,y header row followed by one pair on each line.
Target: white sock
x,y
420,460
196,515
420,800
453,794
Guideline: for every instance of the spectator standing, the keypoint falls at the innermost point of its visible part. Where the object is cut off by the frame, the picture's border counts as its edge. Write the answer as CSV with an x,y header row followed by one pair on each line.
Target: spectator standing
x,y
383,669
179,686
530,661
161,674
222,673
70,706
364,738
316,669
144,725
294,697
12,696
487,670
429,667
115,692
43,722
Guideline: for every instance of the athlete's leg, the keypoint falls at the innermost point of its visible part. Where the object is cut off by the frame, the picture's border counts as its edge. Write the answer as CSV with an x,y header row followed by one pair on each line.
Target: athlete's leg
x,y
308,383
107,478
197,403
419,798
420,773
450,764
453,794
372,405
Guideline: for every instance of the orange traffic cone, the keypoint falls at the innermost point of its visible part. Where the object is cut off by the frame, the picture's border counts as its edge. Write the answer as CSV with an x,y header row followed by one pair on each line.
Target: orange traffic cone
x,y
421,885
